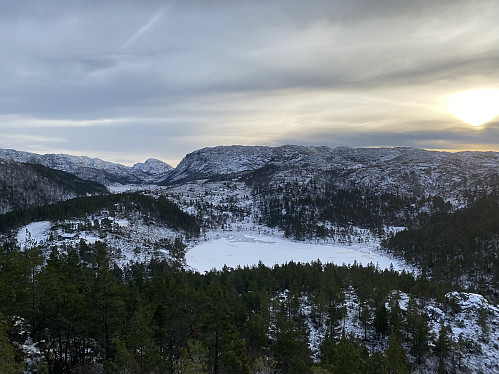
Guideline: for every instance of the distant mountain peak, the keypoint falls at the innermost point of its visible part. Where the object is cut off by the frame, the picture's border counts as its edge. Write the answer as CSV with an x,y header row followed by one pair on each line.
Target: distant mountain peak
x,y
153,166
95,169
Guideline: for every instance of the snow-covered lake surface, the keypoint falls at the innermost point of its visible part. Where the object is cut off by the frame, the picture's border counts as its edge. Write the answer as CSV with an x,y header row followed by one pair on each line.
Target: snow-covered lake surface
x,y
249,249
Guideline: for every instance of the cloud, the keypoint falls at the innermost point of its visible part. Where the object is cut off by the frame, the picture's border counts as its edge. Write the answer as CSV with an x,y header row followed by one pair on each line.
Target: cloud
x,y
155,18
141,77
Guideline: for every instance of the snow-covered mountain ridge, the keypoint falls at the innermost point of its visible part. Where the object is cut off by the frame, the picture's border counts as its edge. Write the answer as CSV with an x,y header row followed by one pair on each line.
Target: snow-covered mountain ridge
x,y
94,169
408,171
399,170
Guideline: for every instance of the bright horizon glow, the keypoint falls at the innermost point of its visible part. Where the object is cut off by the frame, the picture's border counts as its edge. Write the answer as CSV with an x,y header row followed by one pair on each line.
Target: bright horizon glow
x,y
474,107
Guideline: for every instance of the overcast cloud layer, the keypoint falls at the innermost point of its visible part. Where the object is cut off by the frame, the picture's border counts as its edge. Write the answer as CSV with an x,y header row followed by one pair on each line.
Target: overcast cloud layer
x,y
126,80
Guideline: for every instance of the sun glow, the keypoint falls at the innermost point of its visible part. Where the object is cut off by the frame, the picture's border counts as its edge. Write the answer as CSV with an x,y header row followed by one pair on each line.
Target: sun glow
x,y
474,107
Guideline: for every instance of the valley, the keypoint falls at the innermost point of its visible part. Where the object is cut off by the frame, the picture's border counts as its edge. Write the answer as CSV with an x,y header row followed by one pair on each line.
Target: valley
x,y
371,257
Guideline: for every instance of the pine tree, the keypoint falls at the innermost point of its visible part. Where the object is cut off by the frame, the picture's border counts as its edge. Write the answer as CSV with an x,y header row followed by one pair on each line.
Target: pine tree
x,y
192,360
121,361
108,304
345,357
265,365
216,320
378,364
395,355
380,321
235,360
395,315
141,340
35,260
7,362
420,338
290,346
365,318
443,346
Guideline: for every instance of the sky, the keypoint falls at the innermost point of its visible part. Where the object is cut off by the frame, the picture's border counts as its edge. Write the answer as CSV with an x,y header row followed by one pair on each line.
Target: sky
x,y
126,80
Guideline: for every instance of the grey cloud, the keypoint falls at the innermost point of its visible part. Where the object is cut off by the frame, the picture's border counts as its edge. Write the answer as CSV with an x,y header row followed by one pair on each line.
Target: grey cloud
x,y
455,137
199,65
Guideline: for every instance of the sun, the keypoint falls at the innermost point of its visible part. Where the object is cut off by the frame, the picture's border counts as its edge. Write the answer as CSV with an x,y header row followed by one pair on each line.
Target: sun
x,y
474,107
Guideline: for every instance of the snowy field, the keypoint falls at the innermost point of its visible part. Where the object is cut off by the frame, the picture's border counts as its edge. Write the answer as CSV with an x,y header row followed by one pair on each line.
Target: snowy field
x,y
249,249
247,245
33,234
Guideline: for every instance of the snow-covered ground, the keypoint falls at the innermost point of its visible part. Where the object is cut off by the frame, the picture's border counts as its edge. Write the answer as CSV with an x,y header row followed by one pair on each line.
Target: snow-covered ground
x,y
474,330
240,241
120,188
33,234
476,322
249,249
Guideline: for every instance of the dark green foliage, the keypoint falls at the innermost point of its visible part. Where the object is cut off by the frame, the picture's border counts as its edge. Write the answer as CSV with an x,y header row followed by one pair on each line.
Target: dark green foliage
x,y
152,318
395,356
344,357
453,246
69,181
308,210
8,365
418,330
443,346
27,185
161,209
380,321
192,360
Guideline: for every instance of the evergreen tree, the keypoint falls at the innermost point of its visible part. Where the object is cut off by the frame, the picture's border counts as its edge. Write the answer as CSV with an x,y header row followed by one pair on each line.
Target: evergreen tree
x,y
145,353
380,321
365,319
443,346
420,337
395,315
35,259
192,360
7,362
345,357
395,356
121,360
108,303
265,365
377,364
290,345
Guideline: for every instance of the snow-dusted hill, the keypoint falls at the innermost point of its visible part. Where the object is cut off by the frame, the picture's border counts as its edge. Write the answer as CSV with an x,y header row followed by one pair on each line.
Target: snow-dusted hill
x,y
212,163
94,169
152,167
26,185
407,171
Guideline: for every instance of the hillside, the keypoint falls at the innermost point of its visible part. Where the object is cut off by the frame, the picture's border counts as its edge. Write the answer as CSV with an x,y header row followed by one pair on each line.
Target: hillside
x,y
27,185
399,171
398,271
94,169
460,246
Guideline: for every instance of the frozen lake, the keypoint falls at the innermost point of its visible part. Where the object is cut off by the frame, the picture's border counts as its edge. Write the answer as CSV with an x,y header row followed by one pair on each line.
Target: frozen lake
x,y
250,249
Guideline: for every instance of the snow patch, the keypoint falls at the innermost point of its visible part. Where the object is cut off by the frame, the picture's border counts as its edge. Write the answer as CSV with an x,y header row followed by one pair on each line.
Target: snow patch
x,y
248,249
33,234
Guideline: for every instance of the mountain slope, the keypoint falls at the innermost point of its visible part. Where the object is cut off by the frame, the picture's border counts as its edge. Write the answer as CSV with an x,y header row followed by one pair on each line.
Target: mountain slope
x,y
94,169
461,246
217,162
27,185
405,171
